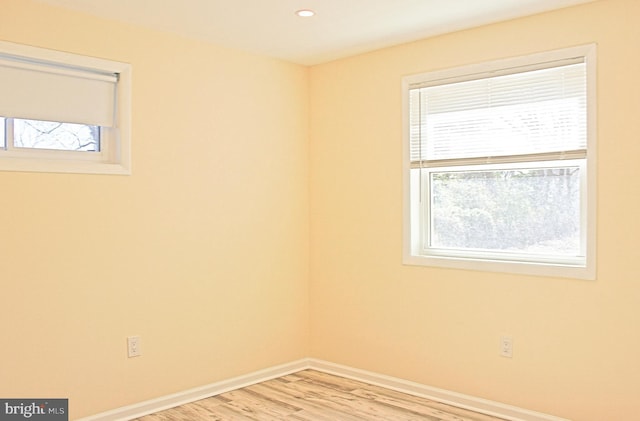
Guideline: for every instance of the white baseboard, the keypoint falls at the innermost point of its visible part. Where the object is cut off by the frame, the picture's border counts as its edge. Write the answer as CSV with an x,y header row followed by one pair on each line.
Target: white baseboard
x,y
203,392
460,400
483,406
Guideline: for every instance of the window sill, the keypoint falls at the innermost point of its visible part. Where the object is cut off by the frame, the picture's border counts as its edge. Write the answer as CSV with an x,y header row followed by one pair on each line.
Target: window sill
x,y
63,166
521,268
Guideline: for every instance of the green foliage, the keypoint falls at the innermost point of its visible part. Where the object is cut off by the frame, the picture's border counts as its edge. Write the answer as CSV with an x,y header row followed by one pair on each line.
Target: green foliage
x,y
532,210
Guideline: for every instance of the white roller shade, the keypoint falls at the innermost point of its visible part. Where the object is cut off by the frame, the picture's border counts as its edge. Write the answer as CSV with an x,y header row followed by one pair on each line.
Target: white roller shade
x,y
43,90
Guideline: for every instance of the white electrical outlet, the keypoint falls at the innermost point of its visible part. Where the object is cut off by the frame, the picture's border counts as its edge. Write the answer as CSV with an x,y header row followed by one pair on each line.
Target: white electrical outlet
x,y
133,346
506,346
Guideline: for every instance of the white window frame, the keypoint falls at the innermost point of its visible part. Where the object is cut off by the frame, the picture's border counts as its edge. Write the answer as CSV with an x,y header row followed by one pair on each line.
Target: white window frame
x,y
114,156
412,226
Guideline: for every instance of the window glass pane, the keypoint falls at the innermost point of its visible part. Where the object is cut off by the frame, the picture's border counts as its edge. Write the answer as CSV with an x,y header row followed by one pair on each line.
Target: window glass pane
x,y
530,210
37,134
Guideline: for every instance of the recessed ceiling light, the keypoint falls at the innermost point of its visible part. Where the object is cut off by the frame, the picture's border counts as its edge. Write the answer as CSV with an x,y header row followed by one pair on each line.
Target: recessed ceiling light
x,y
305,13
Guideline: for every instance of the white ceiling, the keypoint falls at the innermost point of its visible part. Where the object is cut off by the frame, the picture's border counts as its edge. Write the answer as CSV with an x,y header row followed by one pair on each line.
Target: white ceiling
x,y
340,28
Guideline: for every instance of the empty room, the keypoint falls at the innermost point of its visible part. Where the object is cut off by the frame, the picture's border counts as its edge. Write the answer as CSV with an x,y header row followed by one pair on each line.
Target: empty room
x,y
431,197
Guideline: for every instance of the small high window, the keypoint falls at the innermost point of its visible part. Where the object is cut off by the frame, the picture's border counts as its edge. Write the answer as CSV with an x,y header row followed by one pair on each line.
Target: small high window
x,y
62,112
500,166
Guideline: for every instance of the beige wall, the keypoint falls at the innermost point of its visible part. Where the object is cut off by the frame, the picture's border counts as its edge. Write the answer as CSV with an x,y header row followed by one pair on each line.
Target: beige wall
x,y
203,251
576,343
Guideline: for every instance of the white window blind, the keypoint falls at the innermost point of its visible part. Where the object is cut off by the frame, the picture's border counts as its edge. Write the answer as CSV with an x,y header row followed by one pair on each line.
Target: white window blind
x,y
44,90
538,114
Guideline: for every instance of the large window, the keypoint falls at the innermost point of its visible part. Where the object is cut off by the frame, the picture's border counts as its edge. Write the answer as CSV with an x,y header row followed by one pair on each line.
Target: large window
x,y
62,112
500,165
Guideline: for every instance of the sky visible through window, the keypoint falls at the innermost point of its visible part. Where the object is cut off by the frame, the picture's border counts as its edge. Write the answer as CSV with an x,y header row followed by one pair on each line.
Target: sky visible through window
x,y
37,134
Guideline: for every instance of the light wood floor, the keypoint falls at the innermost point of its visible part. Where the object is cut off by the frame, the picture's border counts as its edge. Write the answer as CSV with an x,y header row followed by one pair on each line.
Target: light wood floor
x,y
315,396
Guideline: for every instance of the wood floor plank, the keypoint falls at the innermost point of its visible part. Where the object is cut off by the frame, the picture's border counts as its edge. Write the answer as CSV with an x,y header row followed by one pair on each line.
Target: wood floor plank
x,y
283,393
228,411
415,404
342,399
260,410
311,395
263,404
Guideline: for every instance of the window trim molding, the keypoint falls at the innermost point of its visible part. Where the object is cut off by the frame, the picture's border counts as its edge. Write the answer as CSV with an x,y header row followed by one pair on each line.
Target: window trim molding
x,y
116,159
587,272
